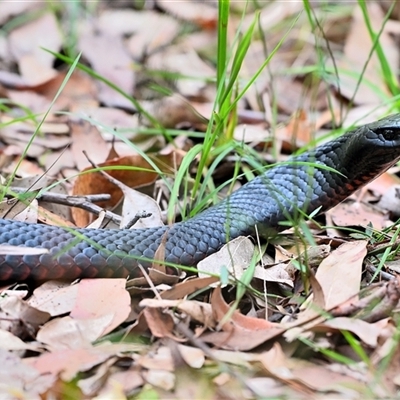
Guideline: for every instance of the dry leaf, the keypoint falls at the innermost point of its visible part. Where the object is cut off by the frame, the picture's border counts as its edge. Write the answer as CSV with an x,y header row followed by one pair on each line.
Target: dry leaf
x,y
97,298
340,273
235,256
200,312
141,173
35,64
109,58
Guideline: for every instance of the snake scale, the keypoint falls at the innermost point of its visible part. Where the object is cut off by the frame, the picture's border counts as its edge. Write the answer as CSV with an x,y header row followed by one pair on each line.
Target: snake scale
x,y
315,180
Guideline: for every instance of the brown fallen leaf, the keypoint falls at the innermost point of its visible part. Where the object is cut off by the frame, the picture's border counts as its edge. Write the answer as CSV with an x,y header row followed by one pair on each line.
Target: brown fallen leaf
x,y
355,213
35,64
174,111
80,92
82,133
368,333
91,385
156,277
337,280
68,362
97,298
160,359
109,58
161,324
66,333
202,14
183,289
240,332
138,172
304,376
221,309
340,273
146,39
383,183
54,297
390,200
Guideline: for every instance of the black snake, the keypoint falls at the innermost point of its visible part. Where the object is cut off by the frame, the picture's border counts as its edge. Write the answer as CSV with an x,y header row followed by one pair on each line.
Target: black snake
x,y
317,179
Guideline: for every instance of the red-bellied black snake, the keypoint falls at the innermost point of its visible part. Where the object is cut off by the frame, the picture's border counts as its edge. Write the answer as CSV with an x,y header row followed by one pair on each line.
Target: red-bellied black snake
x,y
317,179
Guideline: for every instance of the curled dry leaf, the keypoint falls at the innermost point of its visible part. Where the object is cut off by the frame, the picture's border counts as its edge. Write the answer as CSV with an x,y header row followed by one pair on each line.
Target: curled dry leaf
x,y
91,385
221,309
266,387
156,277
136,204
251,133
139,172
183,289
50,218
96,308
79,92
161,324
337,280
275,273
239,333
185,62
301,374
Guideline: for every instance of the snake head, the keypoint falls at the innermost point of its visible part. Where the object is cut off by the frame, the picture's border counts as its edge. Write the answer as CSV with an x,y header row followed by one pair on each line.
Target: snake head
x,y
373,148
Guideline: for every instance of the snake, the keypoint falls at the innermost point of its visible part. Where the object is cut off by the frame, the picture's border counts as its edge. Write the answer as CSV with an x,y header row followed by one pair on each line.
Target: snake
x,y
308,183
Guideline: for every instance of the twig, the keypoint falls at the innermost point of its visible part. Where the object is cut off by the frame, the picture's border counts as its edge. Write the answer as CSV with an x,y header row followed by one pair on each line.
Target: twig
x,y
83,202
120,185
386,276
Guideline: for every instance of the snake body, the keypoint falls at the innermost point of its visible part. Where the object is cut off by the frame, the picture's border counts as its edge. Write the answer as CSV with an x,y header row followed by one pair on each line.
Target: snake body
x,y
315,180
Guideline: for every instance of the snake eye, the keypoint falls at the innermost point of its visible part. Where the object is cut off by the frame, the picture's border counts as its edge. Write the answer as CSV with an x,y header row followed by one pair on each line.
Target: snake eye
x,y
388,134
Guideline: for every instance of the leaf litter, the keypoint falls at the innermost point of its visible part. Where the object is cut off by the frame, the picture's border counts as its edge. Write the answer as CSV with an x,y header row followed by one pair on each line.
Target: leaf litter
x,y
303,320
